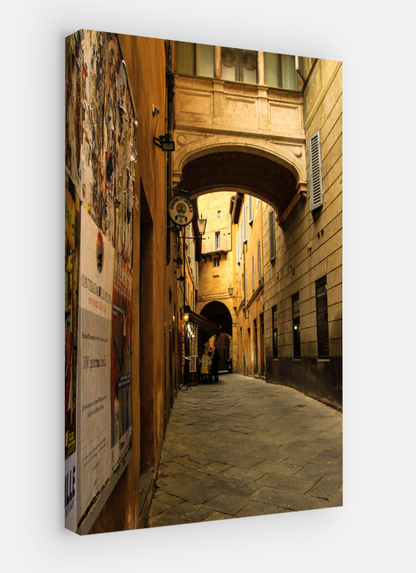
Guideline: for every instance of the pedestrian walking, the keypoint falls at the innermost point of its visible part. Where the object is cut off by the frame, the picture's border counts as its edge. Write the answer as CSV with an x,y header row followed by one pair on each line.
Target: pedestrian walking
x,y
205,363
215,364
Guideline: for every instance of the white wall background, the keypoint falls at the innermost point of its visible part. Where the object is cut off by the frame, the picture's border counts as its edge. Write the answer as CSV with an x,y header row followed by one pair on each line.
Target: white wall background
x,y
374,530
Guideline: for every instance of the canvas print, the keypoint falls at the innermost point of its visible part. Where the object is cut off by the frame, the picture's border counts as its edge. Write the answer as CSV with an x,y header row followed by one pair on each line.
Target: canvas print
x,y
203,283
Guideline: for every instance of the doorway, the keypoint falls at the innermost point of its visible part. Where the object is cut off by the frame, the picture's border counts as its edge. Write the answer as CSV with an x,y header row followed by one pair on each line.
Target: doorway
x,y
147,436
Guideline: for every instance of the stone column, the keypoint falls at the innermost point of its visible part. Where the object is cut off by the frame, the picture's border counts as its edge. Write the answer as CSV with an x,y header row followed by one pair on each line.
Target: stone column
x,y
260,68
218,95
217,62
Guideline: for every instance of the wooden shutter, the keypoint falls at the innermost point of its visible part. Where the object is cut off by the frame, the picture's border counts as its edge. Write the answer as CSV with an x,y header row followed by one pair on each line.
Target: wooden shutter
x,y
259,260
315,171
272,236
250,209
245,222
252,273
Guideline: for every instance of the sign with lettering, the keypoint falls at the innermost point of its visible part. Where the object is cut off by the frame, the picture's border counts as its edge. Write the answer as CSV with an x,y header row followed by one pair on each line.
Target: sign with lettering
x,y
181,210
94,372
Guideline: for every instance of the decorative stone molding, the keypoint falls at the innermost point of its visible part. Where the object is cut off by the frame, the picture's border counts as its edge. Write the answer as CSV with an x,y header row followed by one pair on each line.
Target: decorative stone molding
x,y
213,116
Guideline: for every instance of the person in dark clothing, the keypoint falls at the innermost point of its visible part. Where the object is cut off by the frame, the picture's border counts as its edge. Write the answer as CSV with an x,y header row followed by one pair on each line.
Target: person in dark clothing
x,y
215,364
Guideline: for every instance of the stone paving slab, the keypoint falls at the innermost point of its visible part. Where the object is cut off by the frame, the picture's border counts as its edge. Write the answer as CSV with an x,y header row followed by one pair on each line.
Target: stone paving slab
x,y
229,504
285,482
255,508
243,448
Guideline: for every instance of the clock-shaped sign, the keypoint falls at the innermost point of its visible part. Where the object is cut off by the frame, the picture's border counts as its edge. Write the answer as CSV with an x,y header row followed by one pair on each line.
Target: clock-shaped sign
x,y
181,210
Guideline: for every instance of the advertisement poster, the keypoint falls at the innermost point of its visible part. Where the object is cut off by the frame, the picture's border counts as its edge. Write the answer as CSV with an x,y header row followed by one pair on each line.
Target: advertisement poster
x,y
121,421
72,230
94,384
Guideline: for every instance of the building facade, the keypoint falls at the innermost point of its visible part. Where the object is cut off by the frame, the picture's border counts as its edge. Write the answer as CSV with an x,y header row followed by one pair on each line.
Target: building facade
x,y
303,257
125,333
248,284
247,121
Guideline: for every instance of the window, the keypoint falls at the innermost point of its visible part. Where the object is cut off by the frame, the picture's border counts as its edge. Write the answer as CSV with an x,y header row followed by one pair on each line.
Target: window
x,y
304,65
216,261
239,65
296,325
195,59
315,171
259,260
252,273
280,71
218,214
238,256
322,318
245,222
250,209
272,236
217,240
275,332
246,285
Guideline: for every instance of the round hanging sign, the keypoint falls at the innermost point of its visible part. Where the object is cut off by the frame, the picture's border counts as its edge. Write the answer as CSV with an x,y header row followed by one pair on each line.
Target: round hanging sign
x,y
181,210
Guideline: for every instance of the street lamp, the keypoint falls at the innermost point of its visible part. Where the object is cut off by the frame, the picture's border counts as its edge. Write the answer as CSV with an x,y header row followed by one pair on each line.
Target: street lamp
x,y
164,142
230,292
186,310
202,223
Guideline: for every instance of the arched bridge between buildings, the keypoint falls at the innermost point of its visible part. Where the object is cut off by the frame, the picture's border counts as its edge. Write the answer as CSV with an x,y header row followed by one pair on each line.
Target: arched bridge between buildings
x,y
238,137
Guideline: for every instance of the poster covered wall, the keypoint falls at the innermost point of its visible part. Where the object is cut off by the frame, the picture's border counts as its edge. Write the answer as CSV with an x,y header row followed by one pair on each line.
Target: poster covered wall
x,y
94,366
72,232
100,158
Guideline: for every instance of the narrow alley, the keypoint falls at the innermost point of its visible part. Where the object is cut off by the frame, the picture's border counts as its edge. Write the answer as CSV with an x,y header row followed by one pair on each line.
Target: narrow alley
x,y
243,448
203,233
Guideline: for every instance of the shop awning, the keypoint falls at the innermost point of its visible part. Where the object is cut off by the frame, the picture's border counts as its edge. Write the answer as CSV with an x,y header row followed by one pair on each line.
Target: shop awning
x,y
204,324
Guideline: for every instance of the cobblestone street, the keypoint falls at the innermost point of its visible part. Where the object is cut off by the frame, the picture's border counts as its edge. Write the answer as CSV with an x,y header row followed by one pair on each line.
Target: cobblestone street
x,y
241,448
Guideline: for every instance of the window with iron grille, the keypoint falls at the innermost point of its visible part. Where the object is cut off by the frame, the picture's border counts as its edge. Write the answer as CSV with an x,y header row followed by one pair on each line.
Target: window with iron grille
x,y
322,318
296,325
275,331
